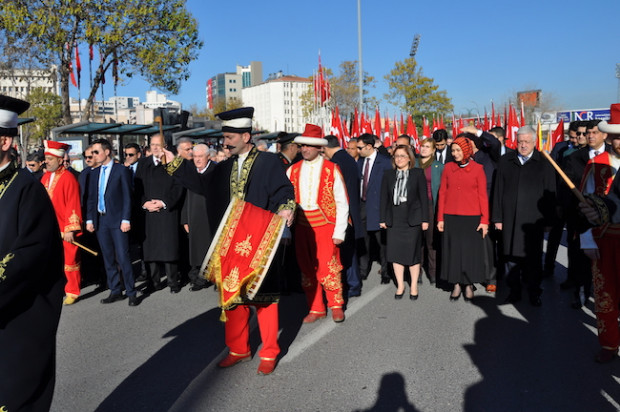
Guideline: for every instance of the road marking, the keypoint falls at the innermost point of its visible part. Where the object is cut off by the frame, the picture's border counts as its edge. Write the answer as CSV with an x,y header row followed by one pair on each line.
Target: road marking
x,y
301,345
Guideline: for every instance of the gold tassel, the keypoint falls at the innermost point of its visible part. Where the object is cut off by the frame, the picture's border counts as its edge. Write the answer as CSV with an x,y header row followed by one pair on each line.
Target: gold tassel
x,y
223,317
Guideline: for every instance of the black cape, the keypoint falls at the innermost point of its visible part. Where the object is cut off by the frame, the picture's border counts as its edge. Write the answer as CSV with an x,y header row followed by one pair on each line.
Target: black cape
x,y
266,187
31,290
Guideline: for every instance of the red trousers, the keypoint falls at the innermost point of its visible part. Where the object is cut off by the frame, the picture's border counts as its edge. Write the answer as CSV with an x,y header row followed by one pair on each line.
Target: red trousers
x,y
237,330
319,261
606,281
72,269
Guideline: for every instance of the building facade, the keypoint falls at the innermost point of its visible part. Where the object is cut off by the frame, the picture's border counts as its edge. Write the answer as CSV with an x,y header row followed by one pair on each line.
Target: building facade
x,y
277,103
19,82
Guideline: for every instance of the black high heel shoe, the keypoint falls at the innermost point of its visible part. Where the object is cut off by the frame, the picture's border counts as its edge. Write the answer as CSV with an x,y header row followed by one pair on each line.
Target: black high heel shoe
x,y
413,297
455,298
468,299
399,297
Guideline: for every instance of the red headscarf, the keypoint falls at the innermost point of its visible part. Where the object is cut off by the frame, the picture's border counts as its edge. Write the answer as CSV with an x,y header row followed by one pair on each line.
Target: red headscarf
x,y
465,145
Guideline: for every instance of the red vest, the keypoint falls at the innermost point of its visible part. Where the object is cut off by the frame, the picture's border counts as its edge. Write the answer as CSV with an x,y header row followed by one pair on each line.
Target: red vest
x,y
325,197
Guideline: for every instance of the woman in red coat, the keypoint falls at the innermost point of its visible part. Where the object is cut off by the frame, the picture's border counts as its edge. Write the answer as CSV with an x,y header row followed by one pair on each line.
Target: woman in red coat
x,y
463,217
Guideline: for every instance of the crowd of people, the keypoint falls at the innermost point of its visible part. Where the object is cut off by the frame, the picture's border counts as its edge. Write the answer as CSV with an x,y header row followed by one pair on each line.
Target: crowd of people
x,y
462,211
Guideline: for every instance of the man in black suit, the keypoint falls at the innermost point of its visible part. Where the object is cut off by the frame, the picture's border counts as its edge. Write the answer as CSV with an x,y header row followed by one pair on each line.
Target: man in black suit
x,y
579,265
34,164
500,134
371,166
109,213
355,230
161,201
443,152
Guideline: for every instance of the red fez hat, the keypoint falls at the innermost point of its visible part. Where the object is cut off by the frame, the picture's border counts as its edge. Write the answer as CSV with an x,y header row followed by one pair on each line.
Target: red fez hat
x,y
312,136
613,125
57,149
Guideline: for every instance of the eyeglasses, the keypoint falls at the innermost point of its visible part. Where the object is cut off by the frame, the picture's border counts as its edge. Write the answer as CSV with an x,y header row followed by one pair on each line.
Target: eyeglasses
x,y
129,154
95,152
401,156
89,157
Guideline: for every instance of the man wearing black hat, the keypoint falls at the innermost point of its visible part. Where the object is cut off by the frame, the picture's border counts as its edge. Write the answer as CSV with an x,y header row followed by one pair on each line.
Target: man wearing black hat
x,y
259,179
288,152
31,278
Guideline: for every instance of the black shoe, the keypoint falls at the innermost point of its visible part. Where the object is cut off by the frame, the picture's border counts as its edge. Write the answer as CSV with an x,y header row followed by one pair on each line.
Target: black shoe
x,y
432,281
535,301
134,301
399,297
385,281
413,297
175,290
195,288
454,298
112,298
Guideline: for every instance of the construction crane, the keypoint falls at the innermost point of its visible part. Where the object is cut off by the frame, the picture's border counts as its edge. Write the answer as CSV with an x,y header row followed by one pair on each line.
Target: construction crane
x,y
414,45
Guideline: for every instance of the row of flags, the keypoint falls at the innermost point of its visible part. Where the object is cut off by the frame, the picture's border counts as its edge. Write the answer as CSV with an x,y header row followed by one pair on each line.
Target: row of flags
x,y
76,80
388,130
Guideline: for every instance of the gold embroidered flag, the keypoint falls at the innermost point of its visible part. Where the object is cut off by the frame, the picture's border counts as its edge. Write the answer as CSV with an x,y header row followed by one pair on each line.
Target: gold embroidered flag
x,y
241,252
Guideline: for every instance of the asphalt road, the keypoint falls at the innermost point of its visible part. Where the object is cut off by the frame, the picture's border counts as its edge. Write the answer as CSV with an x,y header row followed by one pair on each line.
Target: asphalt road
x,y
427,355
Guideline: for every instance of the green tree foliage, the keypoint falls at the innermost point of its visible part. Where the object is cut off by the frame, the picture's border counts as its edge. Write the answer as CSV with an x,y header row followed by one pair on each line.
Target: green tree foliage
x,y
46,108
415,93
156,39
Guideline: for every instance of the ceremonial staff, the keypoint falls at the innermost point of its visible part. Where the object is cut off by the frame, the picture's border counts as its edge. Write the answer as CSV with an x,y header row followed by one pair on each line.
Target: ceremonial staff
x,y
81,246
566,179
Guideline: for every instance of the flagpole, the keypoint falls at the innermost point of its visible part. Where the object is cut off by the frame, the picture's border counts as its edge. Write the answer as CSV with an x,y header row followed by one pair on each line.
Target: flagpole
x,y
359,52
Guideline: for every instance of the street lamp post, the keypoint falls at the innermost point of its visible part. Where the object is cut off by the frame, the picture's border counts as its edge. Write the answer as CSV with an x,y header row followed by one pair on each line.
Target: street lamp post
x,y
360,74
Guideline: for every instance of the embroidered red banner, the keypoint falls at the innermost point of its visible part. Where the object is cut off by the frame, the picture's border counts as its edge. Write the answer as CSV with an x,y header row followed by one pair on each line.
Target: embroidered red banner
x,y
241,251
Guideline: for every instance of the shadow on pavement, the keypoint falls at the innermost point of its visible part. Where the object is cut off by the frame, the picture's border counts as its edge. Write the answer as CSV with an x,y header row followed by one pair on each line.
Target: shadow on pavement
x,y
161,380
542,363
392,395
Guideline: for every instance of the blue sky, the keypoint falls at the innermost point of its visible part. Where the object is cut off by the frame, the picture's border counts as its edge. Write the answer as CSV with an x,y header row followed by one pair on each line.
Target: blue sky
x,y
477,51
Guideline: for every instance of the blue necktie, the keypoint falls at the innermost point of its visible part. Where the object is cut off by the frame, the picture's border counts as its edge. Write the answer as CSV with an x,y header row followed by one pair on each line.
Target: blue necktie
x,y
101,205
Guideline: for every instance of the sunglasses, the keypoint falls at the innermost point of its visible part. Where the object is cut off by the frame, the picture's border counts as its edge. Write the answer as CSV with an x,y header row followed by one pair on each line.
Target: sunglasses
x,y
89,157
129,154
95,152
581,133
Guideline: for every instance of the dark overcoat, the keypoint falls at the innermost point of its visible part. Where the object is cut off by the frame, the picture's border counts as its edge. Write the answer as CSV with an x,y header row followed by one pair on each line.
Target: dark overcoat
x,y
161,229
524,202
194,214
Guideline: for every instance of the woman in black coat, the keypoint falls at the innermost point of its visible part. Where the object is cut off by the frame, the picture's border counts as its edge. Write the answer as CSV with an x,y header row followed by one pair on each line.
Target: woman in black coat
x,y
404,213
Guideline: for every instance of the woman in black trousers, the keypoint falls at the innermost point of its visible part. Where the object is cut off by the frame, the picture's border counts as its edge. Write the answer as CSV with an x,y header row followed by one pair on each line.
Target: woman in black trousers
x,y
404,213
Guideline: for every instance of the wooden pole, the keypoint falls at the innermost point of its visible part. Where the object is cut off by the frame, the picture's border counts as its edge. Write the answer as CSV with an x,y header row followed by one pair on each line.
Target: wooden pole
x,y
566,179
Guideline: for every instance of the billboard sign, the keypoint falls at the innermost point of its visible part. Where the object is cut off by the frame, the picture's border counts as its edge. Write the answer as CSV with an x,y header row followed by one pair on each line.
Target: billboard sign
x,y
588,114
